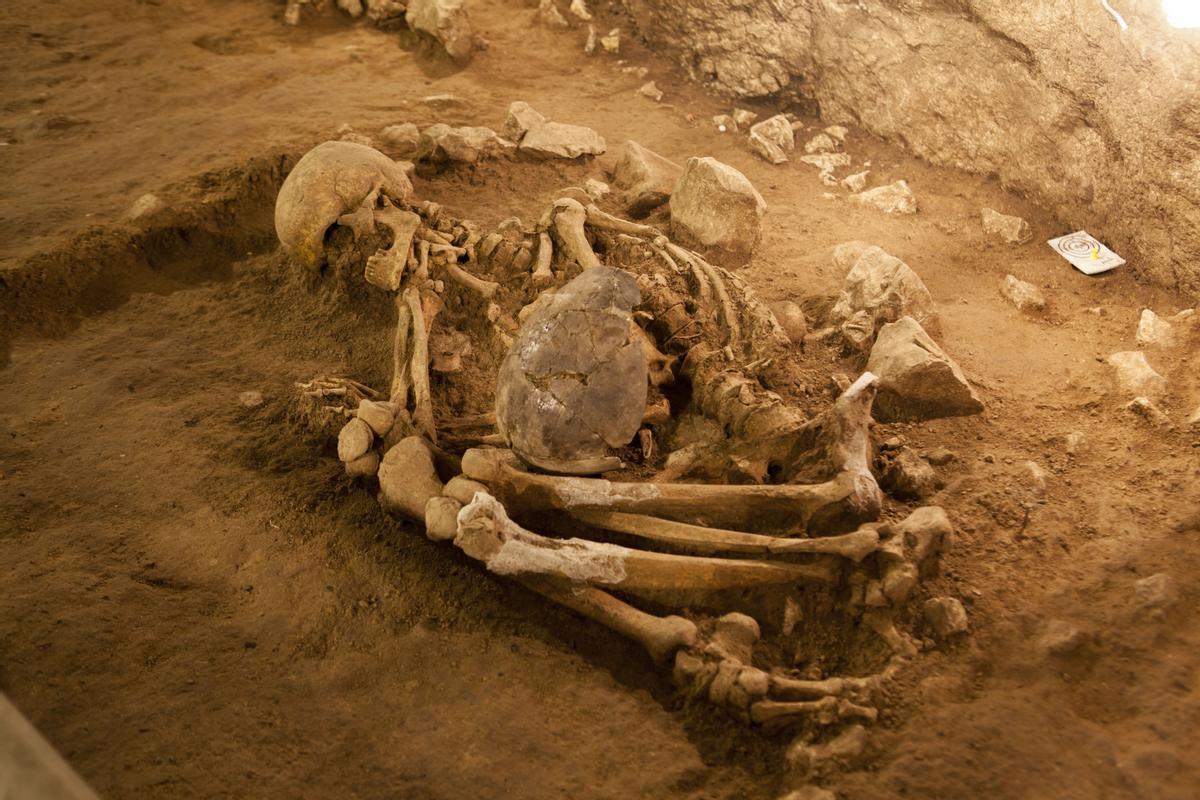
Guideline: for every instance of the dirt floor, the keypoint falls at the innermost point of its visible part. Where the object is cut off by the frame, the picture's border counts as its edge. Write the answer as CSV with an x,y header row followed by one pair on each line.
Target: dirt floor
x,y
196,602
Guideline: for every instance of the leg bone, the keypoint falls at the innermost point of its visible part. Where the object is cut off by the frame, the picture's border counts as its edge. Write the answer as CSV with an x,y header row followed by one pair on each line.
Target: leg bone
x,y
487,534
709,504
660,636
693,538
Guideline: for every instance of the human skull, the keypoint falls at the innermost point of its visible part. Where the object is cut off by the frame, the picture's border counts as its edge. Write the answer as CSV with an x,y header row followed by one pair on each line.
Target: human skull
x,y
331,181
574,382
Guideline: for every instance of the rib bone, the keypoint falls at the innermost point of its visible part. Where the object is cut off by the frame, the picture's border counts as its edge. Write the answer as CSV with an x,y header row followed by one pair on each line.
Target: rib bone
x,y
709,504
486,533
478,285
599,219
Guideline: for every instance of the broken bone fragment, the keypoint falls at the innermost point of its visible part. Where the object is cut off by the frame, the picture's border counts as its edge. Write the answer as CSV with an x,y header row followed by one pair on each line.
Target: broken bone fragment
x,y
716,209
917,380
574,383
447,350
330,181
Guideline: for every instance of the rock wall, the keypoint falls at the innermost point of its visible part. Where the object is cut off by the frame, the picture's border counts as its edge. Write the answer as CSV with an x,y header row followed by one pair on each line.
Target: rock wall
x,y
1102,126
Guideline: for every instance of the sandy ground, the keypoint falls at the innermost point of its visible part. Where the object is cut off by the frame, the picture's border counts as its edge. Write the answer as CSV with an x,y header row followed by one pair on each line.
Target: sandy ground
x,y
196,602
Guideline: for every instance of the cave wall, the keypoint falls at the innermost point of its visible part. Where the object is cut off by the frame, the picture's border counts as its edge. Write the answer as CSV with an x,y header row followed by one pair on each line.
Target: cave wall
x,y
1102,126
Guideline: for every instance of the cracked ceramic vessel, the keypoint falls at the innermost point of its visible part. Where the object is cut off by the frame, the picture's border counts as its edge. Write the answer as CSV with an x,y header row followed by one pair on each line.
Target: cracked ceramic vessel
x,y
574,385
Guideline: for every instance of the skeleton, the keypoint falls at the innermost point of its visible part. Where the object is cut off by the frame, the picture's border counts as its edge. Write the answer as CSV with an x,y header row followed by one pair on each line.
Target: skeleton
x,y
801,518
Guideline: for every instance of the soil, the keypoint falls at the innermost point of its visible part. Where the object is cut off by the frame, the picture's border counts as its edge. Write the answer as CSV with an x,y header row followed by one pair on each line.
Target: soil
x,y
198,603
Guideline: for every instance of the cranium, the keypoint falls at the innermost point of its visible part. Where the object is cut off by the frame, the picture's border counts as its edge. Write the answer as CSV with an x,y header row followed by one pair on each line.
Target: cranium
x,y
574,383
334,182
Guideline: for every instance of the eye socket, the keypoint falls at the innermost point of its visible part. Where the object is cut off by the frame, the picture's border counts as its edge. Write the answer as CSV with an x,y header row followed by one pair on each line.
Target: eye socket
x,y
1182,13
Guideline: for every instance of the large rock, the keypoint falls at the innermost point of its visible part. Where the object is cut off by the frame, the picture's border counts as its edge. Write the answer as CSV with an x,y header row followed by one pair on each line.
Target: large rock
x,y
1135,376
646,178
1022,294
441,143
879,289
1154,331
448,21
895,198
917,380
716,209
521,119
773,139
1042,95
401,141
559,140
1013,230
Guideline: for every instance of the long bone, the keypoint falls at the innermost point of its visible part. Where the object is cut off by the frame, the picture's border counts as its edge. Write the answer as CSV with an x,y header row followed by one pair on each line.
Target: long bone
x,y
411,361
834,445
567,218
486,534
749,693
660,636
542,275
484,288
710,504
696,539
